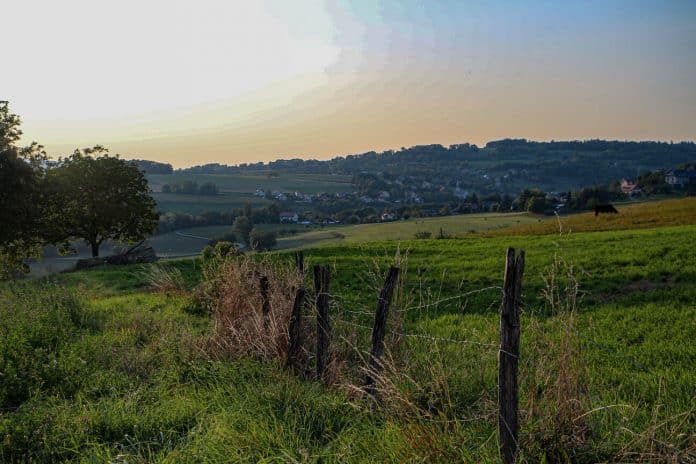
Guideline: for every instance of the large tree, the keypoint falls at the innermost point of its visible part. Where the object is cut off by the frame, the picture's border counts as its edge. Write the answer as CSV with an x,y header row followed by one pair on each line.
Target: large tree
x,y
96,197
21,173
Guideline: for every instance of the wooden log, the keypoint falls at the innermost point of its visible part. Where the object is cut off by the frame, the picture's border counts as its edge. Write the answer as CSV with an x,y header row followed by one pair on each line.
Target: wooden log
x,y
321,288
508,358
379,329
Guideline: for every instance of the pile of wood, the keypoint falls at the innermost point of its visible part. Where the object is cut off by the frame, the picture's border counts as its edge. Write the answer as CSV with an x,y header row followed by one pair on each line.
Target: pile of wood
x,y
136,254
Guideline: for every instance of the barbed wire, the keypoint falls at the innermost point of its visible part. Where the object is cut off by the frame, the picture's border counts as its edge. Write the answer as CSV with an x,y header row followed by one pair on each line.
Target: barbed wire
x,y
444,339
422,335
451,298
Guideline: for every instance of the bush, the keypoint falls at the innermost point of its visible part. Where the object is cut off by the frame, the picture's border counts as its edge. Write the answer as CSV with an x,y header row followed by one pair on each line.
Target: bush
x,y
423,235
220,250
262,240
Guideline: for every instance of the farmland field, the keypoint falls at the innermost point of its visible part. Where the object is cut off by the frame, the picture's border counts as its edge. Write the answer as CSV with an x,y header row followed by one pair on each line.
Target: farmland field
x,y
292,236
104,369
237,189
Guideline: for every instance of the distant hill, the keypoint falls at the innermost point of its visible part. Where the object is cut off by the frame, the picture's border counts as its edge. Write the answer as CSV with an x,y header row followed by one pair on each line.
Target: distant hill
x,y
503,166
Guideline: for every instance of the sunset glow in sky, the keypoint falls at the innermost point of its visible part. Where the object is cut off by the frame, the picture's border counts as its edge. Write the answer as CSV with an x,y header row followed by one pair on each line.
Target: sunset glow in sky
x,y
235,81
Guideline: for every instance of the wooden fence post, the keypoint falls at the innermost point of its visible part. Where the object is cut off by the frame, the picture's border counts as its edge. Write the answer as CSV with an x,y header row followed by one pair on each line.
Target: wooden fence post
x,y
299,261
379,329
265,304
295,326
508,357
321,288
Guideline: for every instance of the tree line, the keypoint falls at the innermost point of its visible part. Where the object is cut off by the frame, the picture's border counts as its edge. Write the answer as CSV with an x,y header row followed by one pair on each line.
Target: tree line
x,y
191,187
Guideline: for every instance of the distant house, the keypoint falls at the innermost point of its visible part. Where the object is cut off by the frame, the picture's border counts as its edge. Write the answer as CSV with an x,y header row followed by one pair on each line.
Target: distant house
x,y
259,193
280,196
681,177
289,216
388,217
630,188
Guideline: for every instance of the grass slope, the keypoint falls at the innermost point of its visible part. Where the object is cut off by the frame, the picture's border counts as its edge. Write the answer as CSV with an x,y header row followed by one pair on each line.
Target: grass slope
x,y
631,216
97,368
405,230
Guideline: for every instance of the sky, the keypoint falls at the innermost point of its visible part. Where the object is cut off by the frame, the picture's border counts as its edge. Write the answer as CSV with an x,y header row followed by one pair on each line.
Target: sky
x,y
228,81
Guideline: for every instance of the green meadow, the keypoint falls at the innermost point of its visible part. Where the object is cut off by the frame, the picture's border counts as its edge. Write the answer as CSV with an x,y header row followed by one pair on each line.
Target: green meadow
x,y
99,367
292,236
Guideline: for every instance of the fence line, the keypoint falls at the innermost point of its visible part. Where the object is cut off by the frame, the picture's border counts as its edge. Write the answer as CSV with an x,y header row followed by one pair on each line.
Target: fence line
x,y
507,349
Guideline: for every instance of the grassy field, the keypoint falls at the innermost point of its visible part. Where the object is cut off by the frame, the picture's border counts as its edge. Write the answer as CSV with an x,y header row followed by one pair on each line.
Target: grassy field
x,y
456,226
643,215
237,189
98,368
292,236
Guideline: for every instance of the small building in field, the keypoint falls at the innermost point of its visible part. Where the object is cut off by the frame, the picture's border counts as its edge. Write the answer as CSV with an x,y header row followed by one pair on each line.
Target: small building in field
x,y
630,188
681,177
289,216
388,216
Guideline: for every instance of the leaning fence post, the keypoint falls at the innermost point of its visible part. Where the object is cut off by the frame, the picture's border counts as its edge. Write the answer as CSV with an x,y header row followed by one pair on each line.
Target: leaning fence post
x,y
265,304
321,288
379,329
508,357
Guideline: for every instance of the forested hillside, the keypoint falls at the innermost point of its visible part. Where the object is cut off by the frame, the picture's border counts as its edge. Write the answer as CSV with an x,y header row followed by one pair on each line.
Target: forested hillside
x,y
501,166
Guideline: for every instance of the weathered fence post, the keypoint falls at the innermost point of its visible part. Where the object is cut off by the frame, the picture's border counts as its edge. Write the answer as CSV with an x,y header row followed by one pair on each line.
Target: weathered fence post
x,y
379,329
295,327
265,304
321,288
299,261
508,357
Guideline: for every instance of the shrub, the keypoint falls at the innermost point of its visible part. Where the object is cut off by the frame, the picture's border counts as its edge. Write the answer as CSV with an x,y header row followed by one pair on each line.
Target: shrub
x,y
220,250
262,240
423,235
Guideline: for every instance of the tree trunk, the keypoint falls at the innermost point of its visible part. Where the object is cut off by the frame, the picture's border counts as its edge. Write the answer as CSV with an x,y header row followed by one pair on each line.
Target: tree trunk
x,y
95,249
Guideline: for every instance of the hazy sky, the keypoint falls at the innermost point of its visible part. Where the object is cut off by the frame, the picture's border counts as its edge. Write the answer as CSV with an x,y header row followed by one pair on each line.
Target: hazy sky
x,y
228,81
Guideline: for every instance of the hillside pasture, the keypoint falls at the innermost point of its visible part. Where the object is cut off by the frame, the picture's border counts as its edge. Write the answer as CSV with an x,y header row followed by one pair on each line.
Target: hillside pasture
x,y
98,367
451,226
673,212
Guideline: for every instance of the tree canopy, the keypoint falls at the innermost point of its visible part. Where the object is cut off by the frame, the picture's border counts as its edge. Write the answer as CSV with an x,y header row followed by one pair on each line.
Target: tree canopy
x,y
21,172
96,197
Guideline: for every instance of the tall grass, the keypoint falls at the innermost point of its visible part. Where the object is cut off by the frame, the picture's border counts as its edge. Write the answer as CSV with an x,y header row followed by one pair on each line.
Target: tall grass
x,y
240,326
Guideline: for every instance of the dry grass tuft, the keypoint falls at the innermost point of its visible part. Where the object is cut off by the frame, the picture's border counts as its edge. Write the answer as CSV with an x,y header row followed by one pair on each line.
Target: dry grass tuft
x,y
243,325
164,278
